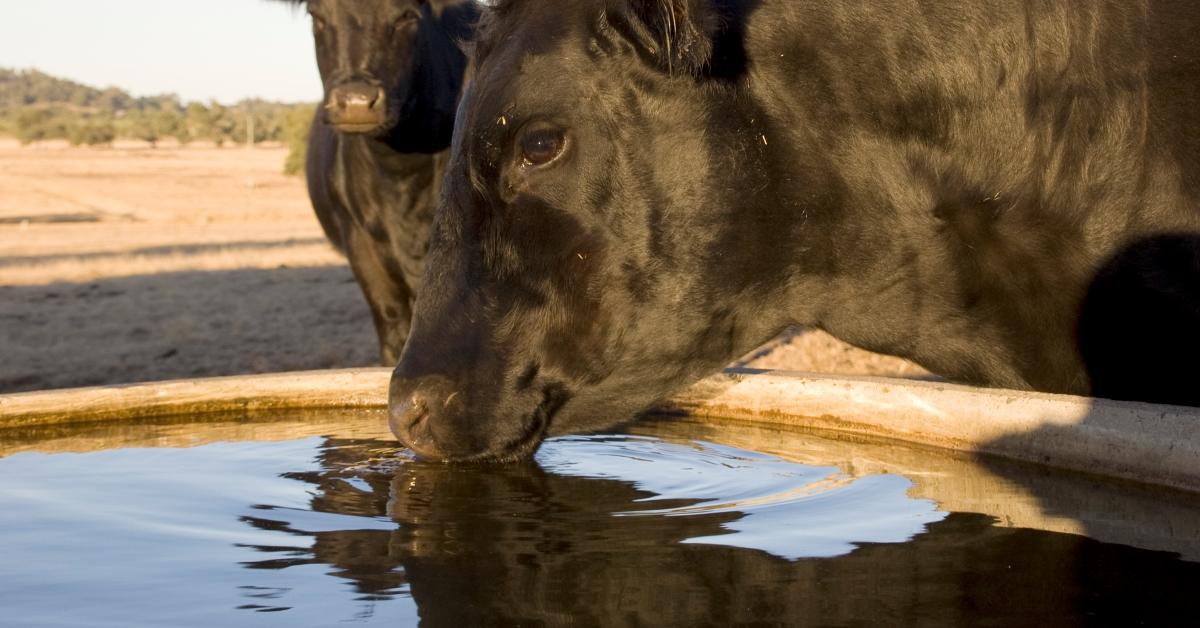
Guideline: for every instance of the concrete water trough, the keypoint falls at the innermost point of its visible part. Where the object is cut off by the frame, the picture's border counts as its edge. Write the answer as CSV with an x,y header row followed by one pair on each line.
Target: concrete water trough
x,y
835,498
1148,443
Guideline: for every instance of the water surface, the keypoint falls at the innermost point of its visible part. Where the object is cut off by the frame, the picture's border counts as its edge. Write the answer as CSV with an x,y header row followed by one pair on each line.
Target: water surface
x,y
652,529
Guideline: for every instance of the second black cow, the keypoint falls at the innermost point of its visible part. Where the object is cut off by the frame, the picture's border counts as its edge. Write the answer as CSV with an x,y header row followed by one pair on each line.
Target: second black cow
x,y
392,71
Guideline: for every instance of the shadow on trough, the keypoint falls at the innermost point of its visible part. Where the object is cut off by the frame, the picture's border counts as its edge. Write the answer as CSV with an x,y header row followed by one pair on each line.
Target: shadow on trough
x,y
1139,336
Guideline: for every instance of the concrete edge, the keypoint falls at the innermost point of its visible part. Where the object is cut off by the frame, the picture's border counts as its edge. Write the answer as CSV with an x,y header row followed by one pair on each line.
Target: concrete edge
x,y
1149,443
1156,444
350,388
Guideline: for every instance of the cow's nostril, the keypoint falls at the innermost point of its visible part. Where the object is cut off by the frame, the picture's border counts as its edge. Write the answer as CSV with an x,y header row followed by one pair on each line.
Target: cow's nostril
x,y
423,413
359,100
364,97
357,107
418,413
408,414
410,421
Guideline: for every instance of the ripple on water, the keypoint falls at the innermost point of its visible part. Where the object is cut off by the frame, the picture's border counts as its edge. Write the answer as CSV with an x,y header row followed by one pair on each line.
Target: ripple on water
x,y
790,510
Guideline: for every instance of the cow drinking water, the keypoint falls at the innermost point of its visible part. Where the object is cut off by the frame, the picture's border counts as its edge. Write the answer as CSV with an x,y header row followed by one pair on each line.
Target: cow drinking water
x,y
392,71
1004,192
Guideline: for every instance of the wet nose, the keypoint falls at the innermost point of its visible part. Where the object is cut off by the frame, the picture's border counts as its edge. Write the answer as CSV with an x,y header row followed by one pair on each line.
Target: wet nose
x,y
416,407
356,107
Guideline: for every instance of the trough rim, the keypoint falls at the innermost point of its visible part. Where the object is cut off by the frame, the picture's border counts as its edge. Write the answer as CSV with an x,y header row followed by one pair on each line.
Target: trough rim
x,y
1148,443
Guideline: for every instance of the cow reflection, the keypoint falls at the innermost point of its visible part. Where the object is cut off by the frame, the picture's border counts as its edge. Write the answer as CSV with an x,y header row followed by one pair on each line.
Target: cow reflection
x,y
518,545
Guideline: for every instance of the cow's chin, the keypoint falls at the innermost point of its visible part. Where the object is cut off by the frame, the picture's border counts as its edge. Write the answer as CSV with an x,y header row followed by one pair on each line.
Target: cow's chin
x,y
376,126
375,129
361,128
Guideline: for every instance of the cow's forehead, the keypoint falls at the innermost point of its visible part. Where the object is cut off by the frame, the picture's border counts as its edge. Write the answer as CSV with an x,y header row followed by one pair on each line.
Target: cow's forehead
x,y
360,5
511,54
531,26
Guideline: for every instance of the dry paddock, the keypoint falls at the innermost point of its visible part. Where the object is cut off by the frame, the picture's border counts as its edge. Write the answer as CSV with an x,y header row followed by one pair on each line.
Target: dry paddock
x,y
132,264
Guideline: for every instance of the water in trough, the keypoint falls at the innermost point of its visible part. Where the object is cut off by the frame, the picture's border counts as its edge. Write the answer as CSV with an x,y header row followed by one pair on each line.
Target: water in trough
x,y
323,522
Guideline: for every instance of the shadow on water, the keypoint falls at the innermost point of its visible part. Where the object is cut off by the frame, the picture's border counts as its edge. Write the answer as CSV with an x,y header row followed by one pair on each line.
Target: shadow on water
x,y
531,546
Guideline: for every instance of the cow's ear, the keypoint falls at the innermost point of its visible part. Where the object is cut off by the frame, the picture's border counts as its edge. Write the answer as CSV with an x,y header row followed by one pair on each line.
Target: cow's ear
x,y
677,34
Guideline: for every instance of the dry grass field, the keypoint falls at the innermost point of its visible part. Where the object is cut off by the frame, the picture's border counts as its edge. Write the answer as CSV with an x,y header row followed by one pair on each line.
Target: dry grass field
x,y
131,264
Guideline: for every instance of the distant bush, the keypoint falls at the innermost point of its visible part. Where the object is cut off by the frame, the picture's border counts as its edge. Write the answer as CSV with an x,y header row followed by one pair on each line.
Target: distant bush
x,y
295,131
34,124
35,106
170,122
138,125
92,132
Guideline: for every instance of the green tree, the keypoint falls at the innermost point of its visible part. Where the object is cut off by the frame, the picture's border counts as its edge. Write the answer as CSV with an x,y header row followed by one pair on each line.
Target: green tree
x,y
92,131
224,123
139,125
30,124
295,132
199,122
34,124
169,122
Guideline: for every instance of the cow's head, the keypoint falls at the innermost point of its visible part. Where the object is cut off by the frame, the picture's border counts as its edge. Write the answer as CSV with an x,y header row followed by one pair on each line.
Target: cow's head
x,y
378,58
588,256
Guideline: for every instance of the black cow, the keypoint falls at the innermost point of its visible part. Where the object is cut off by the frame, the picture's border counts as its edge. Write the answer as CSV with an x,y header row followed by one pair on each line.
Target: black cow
x,y
640,190
392,71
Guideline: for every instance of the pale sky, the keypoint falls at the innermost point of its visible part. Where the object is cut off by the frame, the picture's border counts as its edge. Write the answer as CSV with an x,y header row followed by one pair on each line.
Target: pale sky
x,y
202,50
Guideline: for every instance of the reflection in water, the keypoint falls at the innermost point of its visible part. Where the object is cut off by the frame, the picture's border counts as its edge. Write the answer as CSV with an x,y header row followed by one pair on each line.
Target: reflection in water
x,y
599,531
570,541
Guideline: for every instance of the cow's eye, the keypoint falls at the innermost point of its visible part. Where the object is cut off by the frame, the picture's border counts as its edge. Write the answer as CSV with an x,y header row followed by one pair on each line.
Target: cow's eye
x,y
318,23
540,145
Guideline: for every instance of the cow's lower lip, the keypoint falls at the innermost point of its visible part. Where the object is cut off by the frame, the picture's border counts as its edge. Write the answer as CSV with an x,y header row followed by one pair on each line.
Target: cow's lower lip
x,y
536,427
521,447
356,128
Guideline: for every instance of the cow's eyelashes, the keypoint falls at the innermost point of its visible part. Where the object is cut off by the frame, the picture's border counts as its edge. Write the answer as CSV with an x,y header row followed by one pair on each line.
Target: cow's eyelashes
x,y
540,145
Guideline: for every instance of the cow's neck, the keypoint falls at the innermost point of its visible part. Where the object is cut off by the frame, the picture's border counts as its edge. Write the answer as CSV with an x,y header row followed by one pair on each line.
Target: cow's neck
x,y
848,259
907,235
371,171
390,195
382,153
769,263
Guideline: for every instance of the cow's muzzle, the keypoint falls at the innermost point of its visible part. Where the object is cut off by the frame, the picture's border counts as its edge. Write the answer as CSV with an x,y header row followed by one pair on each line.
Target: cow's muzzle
x,y
357,107
433,417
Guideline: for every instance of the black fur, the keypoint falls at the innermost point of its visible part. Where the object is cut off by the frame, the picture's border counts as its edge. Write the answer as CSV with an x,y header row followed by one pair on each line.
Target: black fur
x,y
1004,192
374,192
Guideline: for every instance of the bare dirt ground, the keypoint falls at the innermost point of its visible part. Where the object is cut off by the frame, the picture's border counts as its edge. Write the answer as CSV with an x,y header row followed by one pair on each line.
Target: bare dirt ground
x,y
134,264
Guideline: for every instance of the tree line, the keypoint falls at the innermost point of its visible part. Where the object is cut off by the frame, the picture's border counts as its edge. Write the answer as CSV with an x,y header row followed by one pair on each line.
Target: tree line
x,y
35,106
